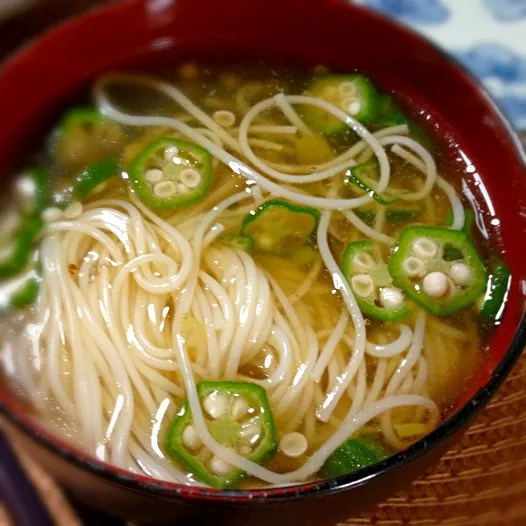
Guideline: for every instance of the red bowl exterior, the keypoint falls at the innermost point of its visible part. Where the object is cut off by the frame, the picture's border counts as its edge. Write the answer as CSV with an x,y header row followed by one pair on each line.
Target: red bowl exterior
x,y
43,77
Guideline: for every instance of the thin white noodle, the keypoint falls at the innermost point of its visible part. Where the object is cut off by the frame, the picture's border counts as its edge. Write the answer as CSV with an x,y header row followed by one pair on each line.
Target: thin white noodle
x,y
393,348
340,283
365,229
361,389
291,115
329,347
378,382
412,355
326,408
430,170
282,345
456,203
402,374
266,144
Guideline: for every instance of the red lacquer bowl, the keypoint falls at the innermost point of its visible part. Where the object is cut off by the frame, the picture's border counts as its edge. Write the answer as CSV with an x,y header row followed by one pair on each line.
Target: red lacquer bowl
x,y
46,75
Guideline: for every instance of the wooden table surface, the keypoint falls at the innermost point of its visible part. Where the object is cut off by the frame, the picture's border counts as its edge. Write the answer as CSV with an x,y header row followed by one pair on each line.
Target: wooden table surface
x,y
480,482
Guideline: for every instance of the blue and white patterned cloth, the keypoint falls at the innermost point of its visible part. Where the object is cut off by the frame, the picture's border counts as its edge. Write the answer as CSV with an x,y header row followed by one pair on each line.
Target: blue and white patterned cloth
x,y
487,36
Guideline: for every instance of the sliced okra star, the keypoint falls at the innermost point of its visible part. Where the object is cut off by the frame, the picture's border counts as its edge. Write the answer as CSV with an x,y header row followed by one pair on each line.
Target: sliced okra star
x,y
438,268
392,215
94,177
170,173
84,135
491,305
388,113
239,241
80,117
469,219
357,453
238,416
369,170
279,227
354,94
371,283
15,251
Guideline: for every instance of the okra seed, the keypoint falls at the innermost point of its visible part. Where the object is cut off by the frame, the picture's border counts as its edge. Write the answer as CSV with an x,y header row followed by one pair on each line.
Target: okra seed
x,y
329,92
216,404
293,444
165,189
245,450
363,285
435,284
391,298
73,210
351,106
239,408
250,431
413,267
347,89
190,437
51,214
224,118
171,152
425,248
363,262
153,175
460,273
190,177
220,466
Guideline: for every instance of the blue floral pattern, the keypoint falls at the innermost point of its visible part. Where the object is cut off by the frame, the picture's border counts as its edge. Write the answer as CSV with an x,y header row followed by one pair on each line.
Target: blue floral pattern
x,y
494,60
487,36
504,72
415,11
515,106
507,10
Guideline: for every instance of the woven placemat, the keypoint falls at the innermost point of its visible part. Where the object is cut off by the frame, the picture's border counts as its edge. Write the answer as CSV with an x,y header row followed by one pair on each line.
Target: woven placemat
x,y
480,482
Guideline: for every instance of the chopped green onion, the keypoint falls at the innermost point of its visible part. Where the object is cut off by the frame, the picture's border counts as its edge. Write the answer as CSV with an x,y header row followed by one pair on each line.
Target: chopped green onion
x,y
279,227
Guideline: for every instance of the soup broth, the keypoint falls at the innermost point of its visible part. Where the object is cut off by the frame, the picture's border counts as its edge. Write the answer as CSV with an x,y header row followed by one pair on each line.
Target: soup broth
x,y
243,276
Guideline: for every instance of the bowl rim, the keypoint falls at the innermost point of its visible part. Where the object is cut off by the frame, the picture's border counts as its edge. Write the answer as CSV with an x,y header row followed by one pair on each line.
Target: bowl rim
x,y
147,485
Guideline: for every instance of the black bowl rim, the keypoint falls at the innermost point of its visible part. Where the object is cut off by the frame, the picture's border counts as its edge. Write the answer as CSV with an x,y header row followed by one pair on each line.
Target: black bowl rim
x,y
444,431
